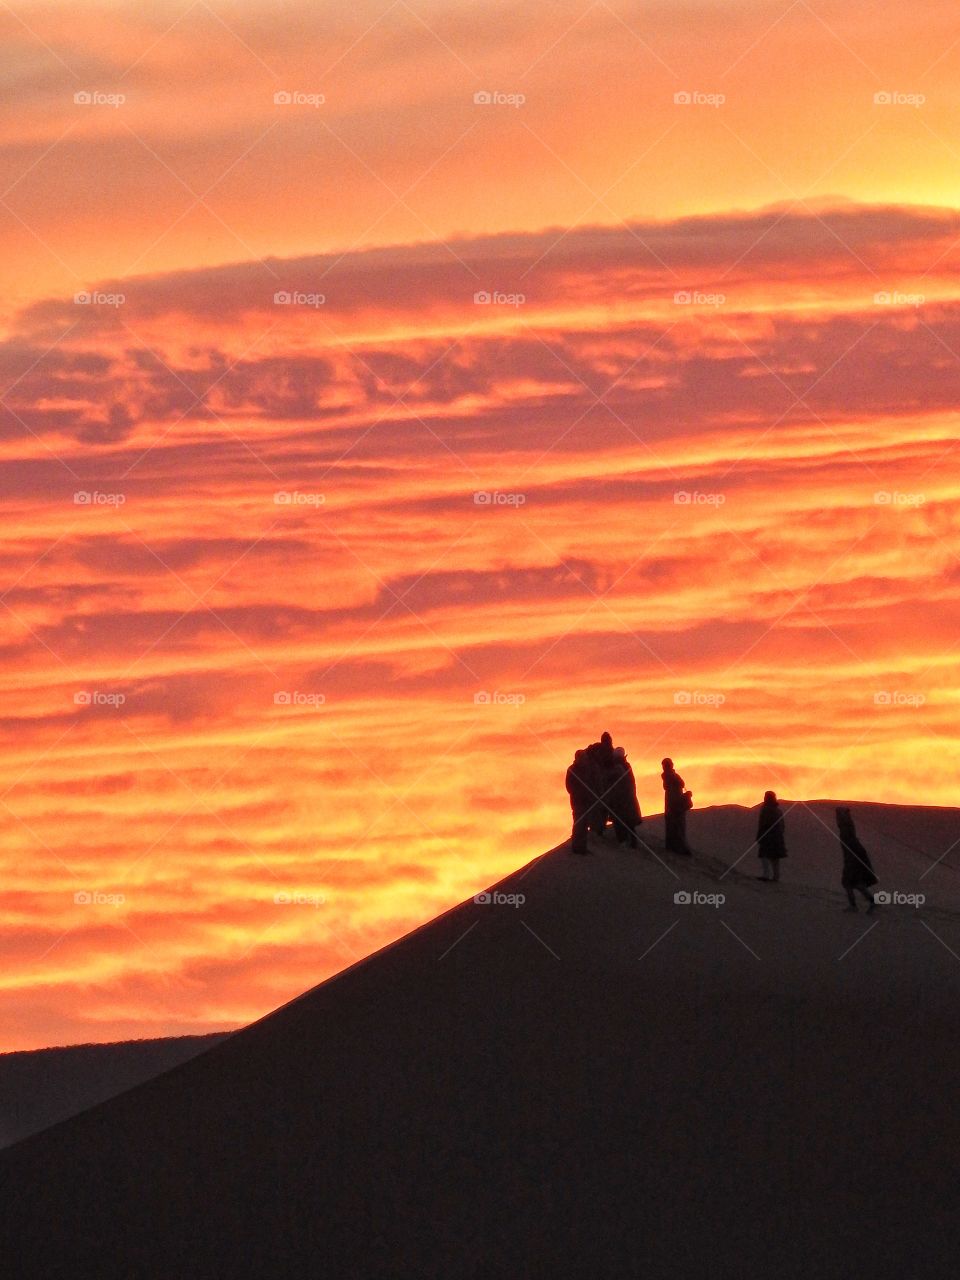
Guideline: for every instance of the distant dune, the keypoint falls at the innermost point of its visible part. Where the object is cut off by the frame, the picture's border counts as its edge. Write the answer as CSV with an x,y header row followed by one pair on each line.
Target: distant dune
x,y
597,1081
42,1087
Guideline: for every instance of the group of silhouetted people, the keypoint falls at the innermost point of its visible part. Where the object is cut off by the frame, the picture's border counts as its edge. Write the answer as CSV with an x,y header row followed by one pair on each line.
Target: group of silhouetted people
x,y
857,876
603,791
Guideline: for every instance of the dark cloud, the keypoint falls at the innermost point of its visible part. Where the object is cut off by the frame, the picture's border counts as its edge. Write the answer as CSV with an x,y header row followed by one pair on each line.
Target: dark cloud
x,y
556,265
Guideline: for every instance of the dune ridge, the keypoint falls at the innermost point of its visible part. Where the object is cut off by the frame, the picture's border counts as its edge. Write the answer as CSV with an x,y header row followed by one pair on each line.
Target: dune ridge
x,y
581,1075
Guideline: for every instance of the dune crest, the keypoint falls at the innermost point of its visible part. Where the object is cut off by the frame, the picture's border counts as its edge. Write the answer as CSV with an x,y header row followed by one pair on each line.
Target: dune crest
x,y
606,1066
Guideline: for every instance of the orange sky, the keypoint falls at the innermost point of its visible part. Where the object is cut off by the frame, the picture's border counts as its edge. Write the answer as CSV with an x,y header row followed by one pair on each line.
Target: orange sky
x,y
714,391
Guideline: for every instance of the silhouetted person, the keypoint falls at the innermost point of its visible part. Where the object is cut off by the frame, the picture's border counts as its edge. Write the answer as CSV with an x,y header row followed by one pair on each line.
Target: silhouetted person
x,y
582,788
857,868
622,800
771,837
603,760
676,801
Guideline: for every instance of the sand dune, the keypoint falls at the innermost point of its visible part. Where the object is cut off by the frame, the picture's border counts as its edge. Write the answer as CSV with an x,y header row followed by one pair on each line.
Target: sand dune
x,y
597,1081
41,1087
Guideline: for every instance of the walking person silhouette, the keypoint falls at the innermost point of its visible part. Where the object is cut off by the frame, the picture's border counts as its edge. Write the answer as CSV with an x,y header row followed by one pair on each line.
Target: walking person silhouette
x,y
858,873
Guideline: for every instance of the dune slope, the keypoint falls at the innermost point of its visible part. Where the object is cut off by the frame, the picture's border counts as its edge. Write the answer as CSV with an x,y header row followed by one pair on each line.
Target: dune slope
x,y
598,1081
40,1087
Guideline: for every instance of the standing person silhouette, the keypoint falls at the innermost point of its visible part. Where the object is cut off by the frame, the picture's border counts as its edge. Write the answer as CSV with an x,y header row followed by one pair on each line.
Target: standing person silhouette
x,y
771,837
604,762
582,788
623,801
676,802
858,870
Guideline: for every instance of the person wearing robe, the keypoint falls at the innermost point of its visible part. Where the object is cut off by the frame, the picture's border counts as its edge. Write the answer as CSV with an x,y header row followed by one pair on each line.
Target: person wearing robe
x,y
771,837
676,802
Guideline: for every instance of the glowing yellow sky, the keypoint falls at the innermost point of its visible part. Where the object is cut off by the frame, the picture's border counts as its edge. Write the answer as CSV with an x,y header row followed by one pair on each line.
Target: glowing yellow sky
x,y
713,391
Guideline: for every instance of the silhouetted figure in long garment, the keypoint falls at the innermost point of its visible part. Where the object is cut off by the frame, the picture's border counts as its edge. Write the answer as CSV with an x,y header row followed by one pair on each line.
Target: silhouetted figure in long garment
x,y
623,801
676,801
582,788
858,870
771,837
604,762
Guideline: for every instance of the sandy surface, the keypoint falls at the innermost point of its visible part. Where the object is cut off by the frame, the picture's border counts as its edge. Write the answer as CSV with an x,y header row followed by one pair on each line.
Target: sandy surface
x,y
597,1082
41,1087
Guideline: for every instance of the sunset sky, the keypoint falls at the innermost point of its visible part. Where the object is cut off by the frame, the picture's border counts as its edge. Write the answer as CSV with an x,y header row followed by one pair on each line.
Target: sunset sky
x,y
598,359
